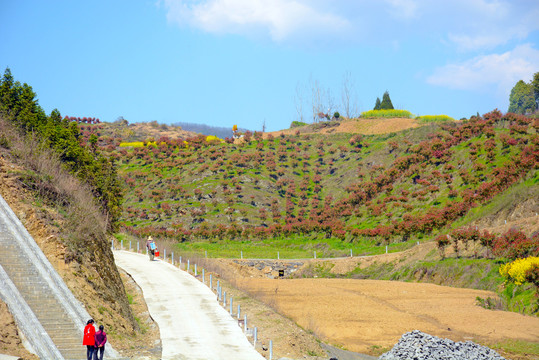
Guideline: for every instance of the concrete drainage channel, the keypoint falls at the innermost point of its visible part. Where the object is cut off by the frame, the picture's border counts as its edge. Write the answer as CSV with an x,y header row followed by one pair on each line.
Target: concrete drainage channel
x,y
48,315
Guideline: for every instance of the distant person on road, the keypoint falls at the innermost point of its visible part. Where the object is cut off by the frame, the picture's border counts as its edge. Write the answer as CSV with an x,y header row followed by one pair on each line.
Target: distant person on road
x,y
152,247
89,339
100,340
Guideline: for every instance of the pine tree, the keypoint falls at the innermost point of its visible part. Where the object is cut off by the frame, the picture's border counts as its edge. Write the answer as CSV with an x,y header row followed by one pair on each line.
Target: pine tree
x,y
377,105
386,102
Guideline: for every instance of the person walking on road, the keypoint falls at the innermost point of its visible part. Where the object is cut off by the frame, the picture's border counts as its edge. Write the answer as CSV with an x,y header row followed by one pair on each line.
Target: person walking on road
x,y
100,340
89,339
150,244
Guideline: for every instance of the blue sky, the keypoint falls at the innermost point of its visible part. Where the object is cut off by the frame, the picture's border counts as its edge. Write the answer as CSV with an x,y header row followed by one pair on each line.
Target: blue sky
x,y
225,62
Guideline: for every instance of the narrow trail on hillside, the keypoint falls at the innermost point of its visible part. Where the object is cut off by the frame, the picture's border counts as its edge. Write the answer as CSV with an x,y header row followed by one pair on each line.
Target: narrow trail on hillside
x,y
191,322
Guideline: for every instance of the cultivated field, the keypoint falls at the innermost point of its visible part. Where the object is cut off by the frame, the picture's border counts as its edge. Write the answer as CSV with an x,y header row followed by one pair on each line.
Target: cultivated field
x,y
369,315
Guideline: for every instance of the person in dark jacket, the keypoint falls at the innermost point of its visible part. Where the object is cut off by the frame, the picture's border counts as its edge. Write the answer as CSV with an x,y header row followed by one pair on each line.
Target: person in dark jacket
x,y
100,340
89,339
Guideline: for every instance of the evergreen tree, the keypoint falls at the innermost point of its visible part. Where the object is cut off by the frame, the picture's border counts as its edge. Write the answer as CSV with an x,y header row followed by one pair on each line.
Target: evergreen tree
x,y
386,102
535,86
19,105
522,99
377,105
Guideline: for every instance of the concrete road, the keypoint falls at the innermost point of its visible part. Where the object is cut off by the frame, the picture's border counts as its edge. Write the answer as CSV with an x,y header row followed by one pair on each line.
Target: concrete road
x,y
192,324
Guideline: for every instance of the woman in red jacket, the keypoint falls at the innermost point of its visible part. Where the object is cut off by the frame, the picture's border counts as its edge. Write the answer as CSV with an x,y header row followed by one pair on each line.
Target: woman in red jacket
x,y
89,339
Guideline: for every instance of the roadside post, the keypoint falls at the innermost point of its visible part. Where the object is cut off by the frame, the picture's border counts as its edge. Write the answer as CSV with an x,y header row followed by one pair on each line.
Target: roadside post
x,y
203,281
254,337
271,350
231,310
195,270
129,245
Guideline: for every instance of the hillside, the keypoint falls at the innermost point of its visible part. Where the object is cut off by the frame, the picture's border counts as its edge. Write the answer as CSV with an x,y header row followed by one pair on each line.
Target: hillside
x,y
122,130
353,126
326,188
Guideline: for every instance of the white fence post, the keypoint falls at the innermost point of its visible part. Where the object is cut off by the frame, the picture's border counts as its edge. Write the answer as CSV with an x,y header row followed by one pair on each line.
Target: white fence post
x,y
203,281
254,337
239,311
165,254
129,245
122,244
112,244
271,350
172,257
138,246
211,282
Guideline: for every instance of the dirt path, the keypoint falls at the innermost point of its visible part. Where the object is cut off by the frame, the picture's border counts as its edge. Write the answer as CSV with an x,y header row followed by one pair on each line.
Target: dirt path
x,y
368,315
191,322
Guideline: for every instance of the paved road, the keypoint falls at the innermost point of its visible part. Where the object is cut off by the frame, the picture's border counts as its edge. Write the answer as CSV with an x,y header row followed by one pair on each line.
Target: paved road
x,y
192,324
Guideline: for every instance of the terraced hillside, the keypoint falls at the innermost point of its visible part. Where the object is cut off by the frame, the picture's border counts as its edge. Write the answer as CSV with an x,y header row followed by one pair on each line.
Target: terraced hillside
x,y
335,188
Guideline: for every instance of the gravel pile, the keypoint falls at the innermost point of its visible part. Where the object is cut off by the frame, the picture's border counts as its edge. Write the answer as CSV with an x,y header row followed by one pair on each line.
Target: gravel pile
x,y
417,345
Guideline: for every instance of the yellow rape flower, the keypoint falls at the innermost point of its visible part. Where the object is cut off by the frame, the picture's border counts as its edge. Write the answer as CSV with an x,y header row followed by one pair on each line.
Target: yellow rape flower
x,y
516,271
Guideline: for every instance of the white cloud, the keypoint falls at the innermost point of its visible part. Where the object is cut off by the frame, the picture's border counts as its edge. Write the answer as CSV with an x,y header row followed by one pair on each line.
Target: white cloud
x,y
485,24
403,8
278,19
501,71
466,25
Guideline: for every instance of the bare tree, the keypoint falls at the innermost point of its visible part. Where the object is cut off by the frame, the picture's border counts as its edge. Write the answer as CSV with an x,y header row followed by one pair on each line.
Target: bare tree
x,y
317,96
348,98
298,101
330,103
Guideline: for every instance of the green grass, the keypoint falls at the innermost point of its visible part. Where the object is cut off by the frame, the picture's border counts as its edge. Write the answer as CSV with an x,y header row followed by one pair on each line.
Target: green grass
x,y
294,247
393,113
518,347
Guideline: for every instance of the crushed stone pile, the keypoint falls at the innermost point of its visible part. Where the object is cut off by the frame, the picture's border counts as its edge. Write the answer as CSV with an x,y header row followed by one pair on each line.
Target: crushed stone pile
x,y
417,345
